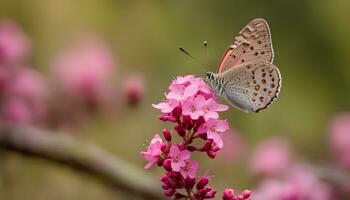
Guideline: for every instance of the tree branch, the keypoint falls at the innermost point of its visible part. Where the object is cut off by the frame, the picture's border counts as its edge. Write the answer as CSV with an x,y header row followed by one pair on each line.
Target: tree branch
x,y
80,155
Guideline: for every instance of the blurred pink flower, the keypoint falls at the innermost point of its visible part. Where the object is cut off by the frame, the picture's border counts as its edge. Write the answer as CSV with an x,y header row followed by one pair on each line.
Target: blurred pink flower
x,y
16,111
14,44
233,148
25,98
28,84
134,89
271,157
85,70
339,132
4,76
298,184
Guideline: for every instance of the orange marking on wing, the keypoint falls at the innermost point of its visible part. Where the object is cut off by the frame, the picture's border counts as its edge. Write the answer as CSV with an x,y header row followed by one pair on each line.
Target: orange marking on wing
x,y
226,55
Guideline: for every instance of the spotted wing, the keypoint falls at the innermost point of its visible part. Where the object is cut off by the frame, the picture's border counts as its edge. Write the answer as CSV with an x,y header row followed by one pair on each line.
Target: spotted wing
x,y
252,86
253,43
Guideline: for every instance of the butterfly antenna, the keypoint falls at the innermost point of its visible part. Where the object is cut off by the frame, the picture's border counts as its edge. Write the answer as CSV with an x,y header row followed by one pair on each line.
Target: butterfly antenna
x,y
206,51
188,54
206,48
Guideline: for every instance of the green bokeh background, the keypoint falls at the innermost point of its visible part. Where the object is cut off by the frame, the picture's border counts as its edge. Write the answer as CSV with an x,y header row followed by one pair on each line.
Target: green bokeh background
x,y
312,50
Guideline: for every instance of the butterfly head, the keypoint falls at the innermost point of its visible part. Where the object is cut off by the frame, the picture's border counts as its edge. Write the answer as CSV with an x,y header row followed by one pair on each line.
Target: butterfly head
x,y
210,79
209,76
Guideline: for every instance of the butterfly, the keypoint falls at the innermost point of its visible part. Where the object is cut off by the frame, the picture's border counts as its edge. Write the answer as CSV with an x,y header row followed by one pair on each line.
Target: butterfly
x,y
245,76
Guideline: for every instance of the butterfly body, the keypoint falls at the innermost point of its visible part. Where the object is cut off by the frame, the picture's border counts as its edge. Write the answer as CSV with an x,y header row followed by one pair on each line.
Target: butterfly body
x,y
246,77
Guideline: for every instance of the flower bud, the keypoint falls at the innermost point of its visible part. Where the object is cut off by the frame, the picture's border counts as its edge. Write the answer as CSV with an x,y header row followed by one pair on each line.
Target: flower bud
x,y
180,130
211,154
134,89
189,182
173,184
169,192
246,194
167,134
199,122
228,194
210,194
203,181
187,122
164,178
167,118
165,187
177,112
160,162
207,146
167,165
191,148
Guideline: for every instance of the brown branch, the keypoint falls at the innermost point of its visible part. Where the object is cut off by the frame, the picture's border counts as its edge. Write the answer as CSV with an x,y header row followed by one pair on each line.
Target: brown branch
x,y
80,155
333,174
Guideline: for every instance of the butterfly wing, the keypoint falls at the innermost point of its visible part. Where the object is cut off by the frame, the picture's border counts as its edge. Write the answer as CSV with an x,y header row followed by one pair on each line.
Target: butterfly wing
x,y
253,43
252,86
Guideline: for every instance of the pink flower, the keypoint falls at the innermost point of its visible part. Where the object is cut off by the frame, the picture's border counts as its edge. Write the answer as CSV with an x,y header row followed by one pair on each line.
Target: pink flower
x,y
153,152
214,128
28,84
178,158
191,106
14,44
4,79
182,80
300,183
25,99
181,92
85,70
190,169
272,157
134,89
233,148
194,107
339,132
16,111
203,87
211,107
198,106
168,106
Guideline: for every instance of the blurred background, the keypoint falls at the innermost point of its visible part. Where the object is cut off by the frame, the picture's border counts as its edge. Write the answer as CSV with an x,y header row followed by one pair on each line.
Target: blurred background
x,y
110,60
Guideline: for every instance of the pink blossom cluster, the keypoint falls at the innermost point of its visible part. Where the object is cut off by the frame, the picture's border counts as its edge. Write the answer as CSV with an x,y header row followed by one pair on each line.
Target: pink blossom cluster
x,y
339,132
83,74
272,157
84,70
133,89
300,183
14,44
192,107
23,90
